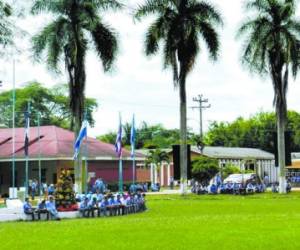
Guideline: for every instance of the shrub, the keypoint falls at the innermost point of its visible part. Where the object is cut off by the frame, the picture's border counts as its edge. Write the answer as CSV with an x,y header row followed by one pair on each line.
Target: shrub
x,y
204,168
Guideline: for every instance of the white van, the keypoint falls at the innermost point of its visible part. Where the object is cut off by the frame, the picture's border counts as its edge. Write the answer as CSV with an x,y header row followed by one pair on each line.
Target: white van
x,y
240,178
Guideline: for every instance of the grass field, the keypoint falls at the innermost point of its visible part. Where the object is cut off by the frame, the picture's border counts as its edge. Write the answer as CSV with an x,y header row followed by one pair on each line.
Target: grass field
x,y
264,221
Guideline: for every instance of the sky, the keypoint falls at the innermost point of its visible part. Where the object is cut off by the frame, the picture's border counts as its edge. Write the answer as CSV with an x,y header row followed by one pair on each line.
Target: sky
x,y
139,85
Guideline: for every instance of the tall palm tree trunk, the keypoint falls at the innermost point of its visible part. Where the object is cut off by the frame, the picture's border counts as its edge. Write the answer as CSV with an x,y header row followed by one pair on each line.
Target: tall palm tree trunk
x,y
281,113
281,147
78,160
183,135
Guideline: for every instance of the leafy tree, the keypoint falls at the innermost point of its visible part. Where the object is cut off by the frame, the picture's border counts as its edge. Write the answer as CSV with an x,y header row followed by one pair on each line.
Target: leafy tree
x,y
76,26
204,168
6,26
147,136
272,47
230,169
156,157
50,104
179,25
255,132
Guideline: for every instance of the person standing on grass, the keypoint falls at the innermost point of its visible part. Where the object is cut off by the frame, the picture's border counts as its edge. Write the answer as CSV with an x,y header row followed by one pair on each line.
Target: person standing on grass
x,y
33,188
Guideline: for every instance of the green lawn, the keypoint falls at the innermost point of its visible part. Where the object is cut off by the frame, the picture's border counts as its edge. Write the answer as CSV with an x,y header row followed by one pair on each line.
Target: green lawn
x,y
264,221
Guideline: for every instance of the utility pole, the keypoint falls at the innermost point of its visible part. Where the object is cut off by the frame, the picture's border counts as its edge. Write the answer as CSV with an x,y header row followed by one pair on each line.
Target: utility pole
x,y
201,105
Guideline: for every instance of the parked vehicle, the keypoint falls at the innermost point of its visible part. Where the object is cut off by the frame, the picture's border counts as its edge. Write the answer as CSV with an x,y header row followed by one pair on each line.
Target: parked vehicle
x,y
240,178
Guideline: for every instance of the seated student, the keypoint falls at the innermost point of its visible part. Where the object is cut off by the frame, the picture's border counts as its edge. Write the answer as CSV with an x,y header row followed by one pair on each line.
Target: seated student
x,y
154,187
274,188
84,207
93,206
249,188
27,208
288,187
123,200
222,189
113,206
99,196
119,206
141,202
50,205
258,188
236,188
103,205
158,186
226,188
229,188
145,187
213,189
42,209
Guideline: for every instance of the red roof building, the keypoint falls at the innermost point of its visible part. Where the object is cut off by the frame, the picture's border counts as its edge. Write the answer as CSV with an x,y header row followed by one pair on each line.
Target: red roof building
x,y
53,148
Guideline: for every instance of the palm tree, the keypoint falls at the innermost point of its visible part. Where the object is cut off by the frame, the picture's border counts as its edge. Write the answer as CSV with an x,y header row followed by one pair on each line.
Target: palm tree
x,y
272,47
179,26
66,39
156,157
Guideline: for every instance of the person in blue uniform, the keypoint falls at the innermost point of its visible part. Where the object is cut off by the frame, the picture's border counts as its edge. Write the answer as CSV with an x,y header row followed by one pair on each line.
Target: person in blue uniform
x,y
27,208
42,209
50,205
84,207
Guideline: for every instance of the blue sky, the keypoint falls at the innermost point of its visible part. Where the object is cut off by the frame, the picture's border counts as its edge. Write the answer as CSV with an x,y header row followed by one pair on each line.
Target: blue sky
x,y
139,85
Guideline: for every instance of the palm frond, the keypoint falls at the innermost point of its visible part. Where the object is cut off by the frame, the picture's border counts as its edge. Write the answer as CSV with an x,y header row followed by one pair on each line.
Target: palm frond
x,y
258,5
105,40
51,6
105,4
211,38
155,32
205,11
152,7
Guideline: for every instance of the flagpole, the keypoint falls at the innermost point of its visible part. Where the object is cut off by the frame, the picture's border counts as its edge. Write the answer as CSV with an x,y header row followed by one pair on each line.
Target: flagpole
x,y
86,155
132,142
13,129
133,169
39,143
27,158
119,151
120,175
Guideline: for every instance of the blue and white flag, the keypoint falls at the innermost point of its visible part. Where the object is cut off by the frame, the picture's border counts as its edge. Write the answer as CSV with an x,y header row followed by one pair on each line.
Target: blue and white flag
x,y
132,138
27,127
118,144
82,134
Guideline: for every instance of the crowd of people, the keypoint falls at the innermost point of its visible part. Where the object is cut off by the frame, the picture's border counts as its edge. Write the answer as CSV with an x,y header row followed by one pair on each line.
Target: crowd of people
x,y
44,207
236,188
99,201
229,188
111,204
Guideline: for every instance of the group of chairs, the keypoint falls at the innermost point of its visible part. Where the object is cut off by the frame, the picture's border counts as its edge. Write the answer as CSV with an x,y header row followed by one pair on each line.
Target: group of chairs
x,y
111,205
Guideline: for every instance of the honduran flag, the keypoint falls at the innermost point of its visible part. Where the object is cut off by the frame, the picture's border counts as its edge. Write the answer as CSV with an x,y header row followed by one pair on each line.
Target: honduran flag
x,y
27,127
82,134
132,138
118,144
